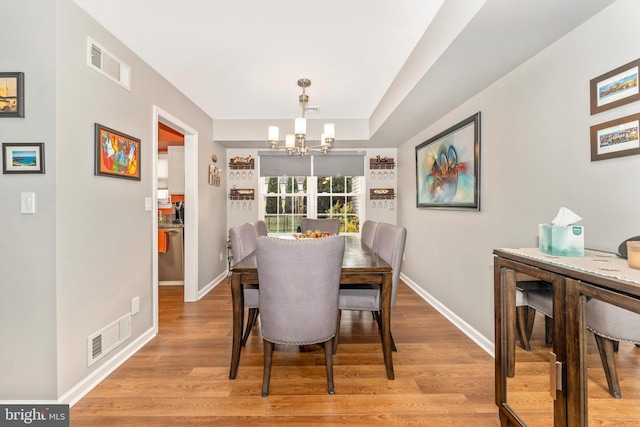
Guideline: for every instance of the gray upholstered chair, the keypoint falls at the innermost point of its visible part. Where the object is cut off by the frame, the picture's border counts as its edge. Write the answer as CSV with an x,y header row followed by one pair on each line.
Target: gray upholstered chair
x,y
299,300
610,325
368,233
260,228
330,225
243,242
389,245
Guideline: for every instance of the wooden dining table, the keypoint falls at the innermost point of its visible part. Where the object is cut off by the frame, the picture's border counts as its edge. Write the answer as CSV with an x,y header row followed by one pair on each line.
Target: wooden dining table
x,y
360,266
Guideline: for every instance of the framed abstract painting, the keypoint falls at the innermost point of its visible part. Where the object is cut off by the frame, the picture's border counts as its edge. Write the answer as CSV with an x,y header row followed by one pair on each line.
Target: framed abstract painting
x,y
448,168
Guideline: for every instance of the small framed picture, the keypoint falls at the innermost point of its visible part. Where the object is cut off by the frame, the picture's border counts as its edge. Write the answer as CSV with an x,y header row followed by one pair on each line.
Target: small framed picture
x,y
615,88
117,155
11,94
23,157
616,138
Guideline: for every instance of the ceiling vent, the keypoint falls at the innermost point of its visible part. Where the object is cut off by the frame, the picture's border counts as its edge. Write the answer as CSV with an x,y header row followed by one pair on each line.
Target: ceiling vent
x,y
311,110
108,338
107,64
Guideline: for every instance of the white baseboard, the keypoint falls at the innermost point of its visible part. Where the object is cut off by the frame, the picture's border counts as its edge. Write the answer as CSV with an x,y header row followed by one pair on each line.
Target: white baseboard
x,y
482,341
212,284
90,382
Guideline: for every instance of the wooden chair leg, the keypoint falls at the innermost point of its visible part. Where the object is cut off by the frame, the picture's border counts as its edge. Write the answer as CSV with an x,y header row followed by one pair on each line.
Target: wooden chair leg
x,y
336,338
251,321
548,331
605,348
266,376
379,321
523,313
328,361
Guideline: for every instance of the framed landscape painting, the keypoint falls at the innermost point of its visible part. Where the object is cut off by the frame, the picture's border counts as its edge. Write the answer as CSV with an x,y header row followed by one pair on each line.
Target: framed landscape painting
x,y
23,157
448,168
11,94
616,138
615,88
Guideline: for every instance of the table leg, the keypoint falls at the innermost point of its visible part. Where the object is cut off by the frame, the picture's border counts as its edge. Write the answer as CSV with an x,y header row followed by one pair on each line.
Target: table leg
x,y
237,298
386,323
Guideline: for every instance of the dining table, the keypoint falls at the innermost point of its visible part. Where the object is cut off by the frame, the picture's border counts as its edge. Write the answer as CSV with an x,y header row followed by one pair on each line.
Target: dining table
x,y
361,266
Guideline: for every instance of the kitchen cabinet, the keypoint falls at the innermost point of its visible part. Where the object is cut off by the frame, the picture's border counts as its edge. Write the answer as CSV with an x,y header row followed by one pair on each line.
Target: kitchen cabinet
x,y
176,169
572,389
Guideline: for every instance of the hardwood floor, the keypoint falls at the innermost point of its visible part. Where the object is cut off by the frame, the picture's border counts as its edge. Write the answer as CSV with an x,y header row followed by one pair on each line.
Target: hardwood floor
x,y
181,378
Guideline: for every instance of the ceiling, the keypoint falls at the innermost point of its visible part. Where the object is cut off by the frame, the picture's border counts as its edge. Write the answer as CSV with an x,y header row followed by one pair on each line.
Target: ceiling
x,y
382,70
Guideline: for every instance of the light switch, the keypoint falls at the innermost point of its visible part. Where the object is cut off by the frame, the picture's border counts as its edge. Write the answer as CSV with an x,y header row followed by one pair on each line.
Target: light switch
x,y
28,203
147,204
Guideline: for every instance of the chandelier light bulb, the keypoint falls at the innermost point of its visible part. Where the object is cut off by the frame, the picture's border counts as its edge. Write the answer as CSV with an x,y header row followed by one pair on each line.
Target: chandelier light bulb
x,y
329,131
301,126
290,141
274,133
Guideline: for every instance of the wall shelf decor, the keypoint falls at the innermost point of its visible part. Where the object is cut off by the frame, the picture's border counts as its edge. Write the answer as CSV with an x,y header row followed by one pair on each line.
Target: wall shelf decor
x,y
242,163
381,163
382,194
242,194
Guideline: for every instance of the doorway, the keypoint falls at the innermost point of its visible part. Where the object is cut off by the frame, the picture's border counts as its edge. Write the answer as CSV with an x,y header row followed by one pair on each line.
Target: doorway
x,y
190,201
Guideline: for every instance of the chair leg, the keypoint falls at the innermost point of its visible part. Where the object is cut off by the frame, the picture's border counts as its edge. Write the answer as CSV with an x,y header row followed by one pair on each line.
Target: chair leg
x,y
523,314
266,377
548,331
605,348
251,321
328,361
336,338
376,315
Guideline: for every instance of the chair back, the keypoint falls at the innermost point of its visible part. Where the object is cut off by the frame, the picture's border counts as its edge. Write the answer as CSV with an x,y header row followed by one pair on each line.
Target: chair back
x,y
299,284
330,225
243,241
368,233
389,245
260,228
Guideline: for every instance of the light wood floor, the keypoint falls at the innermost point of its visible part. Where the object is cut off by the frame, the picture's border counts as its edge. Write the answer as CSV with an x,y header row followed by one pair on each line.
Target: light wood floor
x,y
181,378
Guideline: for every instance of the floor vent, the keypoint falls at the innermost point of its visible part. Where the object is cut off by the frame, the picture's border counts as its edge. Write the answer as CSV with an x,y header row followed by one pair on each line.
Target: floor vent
x,y
107,64
105,340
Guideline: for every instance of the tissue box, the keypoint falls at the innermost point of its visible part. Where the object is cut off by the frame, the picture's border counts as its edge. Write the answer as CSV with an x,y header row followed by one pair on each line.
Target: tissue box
x,y
561,240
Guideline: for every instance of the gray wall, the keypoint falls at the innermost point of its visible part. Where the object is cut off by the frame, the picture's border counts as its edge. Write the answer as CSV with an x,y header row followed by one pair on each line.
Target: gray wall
x,y
73,267
535,159
28,329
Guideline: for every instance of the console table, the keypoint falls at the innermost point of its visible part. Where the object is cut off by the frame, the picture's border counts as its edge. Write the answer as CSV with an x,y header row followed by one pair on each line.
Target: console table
x,y
600,275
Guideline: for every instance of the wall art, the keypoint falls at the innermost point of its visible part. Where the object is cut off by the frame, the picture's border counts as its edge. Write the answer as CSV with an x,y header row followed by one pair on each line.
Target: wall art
x,y
448,168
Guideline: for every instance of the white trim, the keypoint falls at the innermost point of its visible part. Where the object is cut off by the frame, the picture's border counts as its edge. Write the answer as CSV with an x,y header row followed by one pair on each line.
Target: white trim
x,y
475,336
190,199
78,391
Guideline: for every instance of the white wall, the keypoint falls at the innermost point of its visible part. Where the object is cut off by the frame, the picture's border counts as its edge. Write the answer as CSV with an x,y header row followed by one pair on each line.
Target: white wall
x,y
535,158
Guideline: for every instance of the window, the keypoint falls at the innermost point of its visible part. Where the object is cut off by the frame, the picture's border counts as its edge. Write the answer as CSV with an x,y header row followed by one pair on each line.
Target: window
x,y
288,199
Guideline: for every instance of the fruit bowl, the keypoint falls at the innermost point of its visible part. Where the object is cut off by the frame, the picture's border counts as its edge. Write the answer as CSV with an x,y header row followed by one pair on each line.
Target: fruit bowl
x,y
312,234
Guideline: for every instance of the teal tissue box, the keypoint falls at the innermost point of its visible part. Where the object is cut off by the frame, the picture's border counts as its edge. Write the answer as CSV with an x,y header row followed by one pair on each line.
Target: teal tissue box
x,y
561,240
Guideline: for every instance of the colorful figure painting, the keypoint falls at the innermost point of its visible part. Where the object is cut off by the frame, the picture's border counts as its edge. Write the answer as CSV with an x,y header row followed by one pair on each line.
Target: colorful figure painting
x,y
117,154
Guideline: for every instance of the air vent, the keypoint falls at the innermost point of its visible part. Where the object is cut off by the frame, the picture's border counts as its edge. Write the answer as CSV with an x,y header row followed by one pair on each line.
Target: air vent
x,y
108,65
312,110
105,340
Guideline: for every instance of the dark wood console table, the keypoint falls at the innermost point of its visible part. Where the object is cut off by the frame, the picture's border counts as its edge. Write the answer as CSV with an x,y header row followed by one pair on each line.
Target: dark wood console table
x,y
574,280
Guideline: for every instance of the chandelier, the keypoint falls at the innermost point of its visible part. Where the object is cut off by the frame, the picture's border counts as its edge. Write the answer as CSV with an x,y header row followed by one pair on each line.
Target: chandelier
x,y
296,144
